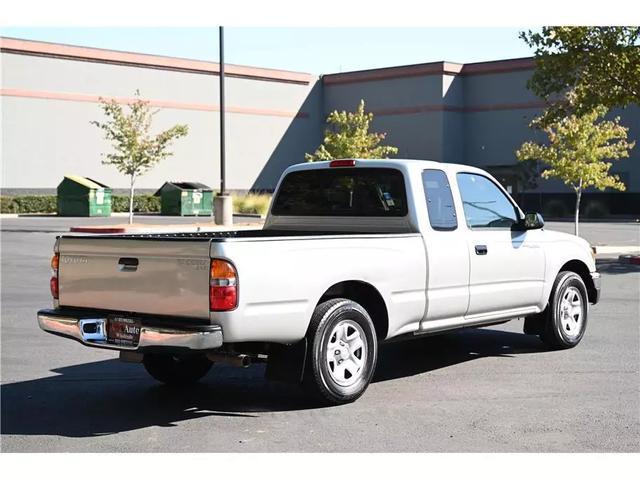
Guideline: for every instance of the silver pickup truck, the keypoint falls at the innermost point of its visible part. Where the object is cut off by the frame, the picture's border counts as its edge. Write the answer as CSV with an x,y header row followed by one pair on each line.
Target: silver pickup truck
x,y
352,253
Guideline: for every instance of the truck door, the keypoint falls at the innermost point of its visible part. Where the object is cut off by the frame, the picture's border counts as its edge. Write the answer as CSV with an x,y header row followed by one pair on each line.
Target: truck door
x,y
507,267
447,254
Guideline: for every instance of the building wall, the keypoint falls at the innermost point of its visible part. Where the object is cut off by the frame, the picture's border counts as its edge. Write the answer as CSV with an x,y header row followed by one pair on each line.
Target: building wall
x,y
416,132
48,102
476,114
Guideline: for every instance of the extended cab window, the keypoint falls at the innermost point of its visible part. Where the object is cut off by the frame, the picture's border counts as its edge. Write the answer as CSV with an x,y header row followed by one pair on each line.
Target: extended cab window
x,y
485,205
342,192
442,213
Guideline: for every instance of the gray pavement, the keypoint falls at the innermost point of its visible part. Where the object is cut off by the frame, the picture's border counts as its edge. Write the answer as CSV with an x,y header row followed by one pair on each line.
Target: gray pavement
x,y
491,389
601,233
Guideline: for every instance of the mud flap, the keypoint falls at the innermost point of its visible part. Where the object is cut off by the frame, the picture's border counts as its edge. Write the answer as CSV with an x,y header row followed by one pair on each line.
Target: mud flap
x,y
534,324
286,363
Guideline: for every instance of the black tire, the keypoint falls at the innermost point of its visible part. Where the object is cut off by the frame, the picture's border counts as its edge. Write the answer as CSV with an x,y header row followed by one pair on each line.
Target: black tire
x,y
176,370
320,376
553,333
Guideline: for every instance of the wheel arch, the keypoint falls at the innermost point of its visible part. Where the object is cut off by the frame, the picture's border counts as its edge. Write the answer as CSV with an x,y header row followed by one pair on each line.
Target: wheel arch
x,y
367,296
582,270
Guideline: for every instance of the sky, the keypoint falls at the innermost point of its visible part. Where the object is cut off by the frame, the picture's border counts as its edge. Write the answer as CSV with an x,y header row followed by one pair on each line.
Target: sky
x,y
312,50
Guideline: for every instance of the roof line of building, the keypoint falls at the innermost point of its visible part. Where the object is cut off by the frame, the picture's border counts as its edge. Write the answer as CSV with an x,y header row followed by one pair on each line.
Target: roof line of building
x,y
72,52
432,68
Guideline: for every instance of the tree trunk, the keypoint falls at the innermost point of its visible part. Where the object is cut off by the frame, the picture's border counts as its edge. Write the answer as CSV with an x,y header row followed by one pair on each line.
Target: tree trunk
x,y
133,179
577,217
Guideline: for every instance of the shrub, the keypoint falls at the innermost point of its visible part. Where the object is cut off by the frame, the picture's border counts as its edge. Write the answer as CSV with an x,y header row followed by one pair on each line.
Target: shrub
x,y
141,204
37,204
28,204
47,204
7,205
252,203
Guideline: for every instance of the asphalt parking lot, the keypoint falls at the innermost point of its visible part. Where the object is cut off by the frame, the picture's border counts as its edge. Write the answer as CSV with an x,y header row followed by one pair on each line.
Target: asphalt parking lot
x,y
491,389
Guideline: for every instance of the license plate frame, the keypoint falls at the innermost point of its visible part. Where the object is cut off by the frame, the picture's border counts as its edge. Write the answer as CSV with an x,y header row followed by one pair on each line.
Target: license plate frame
x,y
123,331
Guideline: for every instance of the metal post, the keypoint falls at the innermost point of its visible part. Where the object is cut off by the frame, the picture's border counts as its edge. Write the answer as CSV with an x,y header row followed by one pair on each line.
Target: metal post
x,y
222,115
223,204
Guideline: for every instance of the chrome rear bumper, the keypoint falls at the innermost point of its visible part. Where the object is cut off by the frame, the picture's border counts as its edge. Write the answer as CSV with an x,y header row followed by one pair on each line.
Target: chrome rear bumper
x,y
90,330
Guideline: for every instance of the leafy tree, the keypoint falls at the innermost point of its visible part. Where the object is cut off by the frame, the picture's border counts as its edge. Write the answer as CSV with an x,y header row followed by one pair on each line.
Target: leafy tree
x,y
136,149
578,150
348,136
599,65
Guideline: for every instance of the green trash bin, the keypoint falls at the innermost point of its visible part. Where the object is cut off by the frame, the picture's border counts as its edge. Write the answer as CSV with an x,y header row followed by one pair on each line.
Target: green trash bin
x,y
182,198
81,196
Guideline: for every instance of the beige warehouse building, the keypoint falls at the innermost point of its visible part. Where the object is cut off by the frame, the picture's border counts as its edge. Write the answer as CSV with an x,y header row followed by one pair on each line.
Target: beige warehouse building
x,y
476,114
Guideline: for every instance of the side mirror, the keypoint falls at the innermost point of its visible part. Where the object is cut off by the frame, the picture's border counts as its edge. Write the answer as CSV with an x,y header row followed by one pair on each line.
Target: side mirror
x,y
532,221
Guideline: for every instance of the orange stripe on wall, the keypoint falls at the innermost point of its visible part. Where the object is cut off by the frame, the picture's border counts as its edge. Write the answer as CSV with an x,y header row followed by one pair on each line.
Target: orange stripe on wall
x,y
407,110
79,97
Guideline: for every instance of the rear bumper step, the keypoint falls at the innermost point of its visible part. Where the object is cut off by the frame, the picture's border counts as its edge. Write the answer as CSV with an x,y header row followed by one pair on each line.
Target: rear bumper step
x,y
90,330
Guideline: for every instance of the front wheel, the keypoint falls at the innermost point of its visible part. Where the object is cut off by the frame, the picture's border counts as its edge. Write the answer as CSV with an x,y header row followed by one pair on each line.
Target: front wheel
x,y
565,320
343,351
176,369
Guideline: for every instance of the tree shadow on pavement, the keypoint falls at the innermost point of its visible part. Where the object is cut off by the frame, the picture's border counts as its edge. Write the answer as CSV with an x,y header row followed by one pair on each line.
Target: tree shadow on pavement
x,y
107,397
613,266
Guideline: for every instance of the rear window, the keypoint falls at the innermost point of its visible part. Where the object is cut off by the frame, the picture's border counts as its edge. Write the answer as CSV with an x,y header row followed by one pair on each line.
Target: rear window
x,y
342,192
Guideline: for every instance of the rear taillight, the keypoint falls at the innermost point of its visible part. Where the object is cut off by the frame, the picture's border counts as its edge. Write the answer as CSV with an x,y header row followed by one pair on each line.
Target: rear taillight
x,y
53,283
223,286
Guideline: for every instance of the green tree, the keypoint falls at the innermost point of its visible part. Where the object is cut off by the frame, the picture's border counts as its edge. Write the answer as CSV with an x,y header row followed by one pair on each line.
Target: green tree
x,y
348,136
136,149
599,65
578,151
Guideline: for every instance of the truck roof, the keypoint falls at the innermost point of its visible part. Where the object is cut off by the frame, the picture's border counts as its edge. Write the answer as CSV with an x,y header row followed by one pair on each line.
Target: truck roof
x,y
409,165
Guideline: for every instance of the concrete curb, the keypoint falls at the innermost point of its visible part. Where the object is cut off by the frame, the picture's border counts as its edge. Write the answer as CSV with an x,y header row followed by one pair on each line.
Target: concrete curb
x,y
147,229
113,215
97,229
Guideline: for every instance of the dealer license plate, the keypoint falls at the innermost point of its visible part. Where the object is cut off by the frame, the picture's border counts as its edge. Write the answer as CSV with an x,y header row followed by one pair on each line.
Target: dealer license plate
x,y
123,331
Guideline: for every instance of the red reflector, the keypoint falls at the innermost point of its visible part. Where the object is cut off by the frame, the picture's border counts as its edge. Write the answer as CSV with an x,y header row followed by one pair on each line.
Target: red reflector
x,y
342,163
222,298
53,284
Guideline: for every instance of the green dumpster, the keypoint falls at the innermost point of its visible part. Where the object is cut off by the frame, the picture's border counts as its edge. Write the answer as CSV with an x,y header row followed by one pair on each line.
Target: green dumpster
x,y
182,198
80,196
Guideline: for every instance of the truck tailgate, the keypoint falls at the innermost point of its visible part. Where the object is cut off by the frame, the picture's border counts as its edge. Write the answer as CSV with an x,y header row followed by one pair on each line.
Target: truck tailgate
x,y
162,277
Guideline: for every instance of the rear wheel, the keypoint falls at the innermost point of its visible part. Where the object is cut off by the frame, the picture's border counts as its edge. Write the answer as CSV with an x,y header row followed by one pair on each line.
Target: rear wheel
x,y
565,319
343,351
176,369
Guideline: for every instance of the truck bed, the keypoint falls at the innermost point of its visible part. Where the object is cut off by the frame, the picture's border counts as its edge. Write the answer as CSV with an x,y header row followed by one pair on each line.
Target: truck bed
x,y
159,273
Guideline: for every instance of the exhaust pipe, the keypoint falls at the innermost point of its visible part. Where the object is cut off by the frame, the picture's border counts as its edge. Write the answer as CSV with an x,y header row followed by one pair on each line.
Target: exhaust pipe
x,y
236,360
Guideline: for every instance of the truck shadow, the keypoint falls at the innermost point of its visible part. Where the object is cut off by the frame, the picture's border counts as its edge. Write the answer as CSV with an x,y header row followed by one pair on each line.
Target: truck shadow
x,y
107,397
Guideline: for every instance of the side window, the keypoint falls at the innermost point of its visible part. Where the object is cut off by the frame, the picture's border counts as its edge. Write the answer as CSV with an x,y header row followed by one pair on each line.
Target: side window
x,y
442,213
485,205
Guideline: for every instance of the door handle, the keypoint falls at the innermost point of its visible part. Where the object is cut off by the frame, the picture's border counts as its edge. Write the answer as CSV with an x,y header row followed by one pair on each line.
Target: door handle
x,y
481,249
